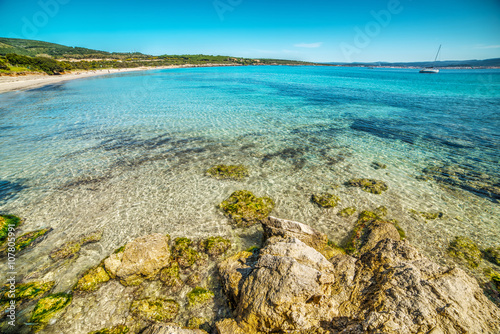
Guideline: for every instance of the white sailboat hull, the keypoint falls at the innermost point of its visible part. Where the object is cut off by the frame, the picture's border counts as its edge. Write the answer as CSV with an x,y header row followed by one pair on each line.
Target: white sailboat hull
x,y
429,70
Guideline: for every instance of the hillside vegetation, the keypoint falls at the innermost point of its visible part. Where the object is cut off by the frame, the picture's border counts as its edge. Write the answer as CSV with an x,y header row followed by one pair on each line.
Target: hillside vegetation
x,y
22,55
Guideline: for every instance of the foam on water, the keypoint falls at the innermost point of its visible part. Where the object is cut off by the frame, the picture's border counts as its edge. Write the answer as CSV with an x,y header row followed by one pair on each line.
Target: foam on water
x,y
127,153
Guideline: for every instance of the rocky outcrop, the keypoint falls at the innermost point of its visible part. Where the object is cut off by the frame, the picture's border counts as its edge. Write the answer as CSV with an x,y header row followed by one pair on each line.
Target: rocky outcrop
x,y
171,329
389,288
141,259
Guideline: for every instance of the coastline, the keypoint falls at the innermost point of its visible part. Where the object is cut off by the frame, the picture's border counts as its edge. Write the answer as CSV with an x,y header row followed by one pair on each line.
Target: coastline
x,y
32,81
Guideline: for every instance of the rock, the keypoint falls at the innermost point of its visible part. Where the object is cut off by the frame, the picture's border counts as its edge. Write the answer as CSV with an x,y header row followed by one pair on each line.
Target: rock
x,y
184,254
71,248
234,172
245,208
170,275
29,290
282,228
215,246
194,279
92,279
378,165
465,250
325,200
91,237
381,211
199,323
67,250
230,326
155,309
390,288
397,290
199,296
170,329
6,222
369,230
142,259
120,329
48,307
233,271
30,239
493,255
289,288
369,185
347,212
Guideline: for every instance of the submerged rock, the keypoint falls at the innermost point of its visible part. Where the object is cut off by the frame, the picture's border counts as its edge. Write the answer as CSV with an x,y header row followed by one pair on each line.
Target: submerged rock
x,y
199,296
245,208
234,172
369,185
155,309
290,287
30,239
72,248
29,290
170,275
325,200
215,246
465,250
378,165
92,279
48,307
120,329
7,221
67,250
184,254
141,259
347,212
171,329
493,255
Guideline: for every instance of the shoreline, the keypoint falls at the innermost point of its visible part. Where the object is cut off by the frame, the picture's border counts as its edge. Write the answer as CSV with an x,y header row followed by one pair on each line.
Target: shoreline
x,y
32,81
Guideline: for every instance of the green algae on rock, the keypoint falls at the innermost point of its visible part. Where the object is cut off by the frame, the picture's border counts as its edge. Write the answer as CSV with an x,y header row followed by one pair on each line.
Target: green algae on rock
x,y
493,255
120,329
495,278
347,212
183,253
7,221
29,290
92,279
198,323
170,275
67,250
72,248
48,307
427,215
325,200
199,296
215,246
369,185
466,250
234,172
30,239
362,236
155,309
245,208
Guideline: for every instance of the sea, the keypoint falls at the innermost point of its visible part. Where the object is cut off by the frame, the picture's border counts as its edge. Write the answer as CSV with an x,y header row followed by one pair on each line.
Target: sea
x,y
127,154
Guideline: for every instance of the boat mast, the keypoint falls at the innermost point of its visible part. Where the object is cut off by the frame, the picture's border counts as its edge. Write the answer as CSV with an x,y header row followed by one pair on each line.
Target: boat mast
x,y
437,54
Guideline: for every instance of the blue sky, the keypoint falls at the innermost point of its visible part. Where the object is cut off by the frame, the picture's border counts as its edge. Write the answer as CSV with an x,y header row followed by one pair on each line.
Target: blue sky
x,y
337,31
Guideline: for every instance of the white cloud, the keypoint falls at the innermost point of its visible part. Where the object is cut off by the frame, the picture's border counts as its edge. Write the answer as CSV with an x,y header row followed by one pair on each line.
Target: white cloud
x,y
310,45
488,47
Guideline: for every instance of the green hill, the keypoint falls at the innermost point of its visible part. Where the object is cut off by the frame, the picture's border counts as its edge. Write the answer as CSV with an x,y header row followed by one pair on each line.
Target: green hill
x,y
32,48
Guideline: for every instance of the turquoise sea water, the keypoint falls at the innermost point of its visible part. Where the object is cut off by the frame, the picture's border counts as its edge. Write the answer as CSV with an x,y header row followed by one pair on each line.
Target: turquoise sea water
x,y
127,152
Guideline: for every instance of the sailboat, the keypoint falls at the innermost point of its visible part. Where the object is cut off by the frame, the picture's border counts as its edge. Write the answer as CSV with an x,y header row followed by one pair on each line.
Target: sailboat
x,y
432,69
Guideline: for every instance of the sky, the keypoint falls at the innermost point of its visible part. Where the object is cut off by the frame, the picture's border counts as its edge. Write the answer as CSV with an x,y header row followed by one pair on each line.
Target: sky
x,y
312,30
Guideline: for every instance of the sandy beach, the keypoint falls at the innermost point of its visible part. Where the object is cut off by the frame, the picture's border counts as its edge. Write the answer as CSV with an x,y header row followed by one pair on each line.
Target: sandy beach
x,y
31,81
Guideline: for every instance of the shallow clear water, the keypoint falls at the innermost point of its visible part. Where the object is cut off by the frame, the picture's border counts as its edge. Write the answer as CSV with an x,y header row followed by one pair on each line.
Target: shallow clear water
x,y
127,153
